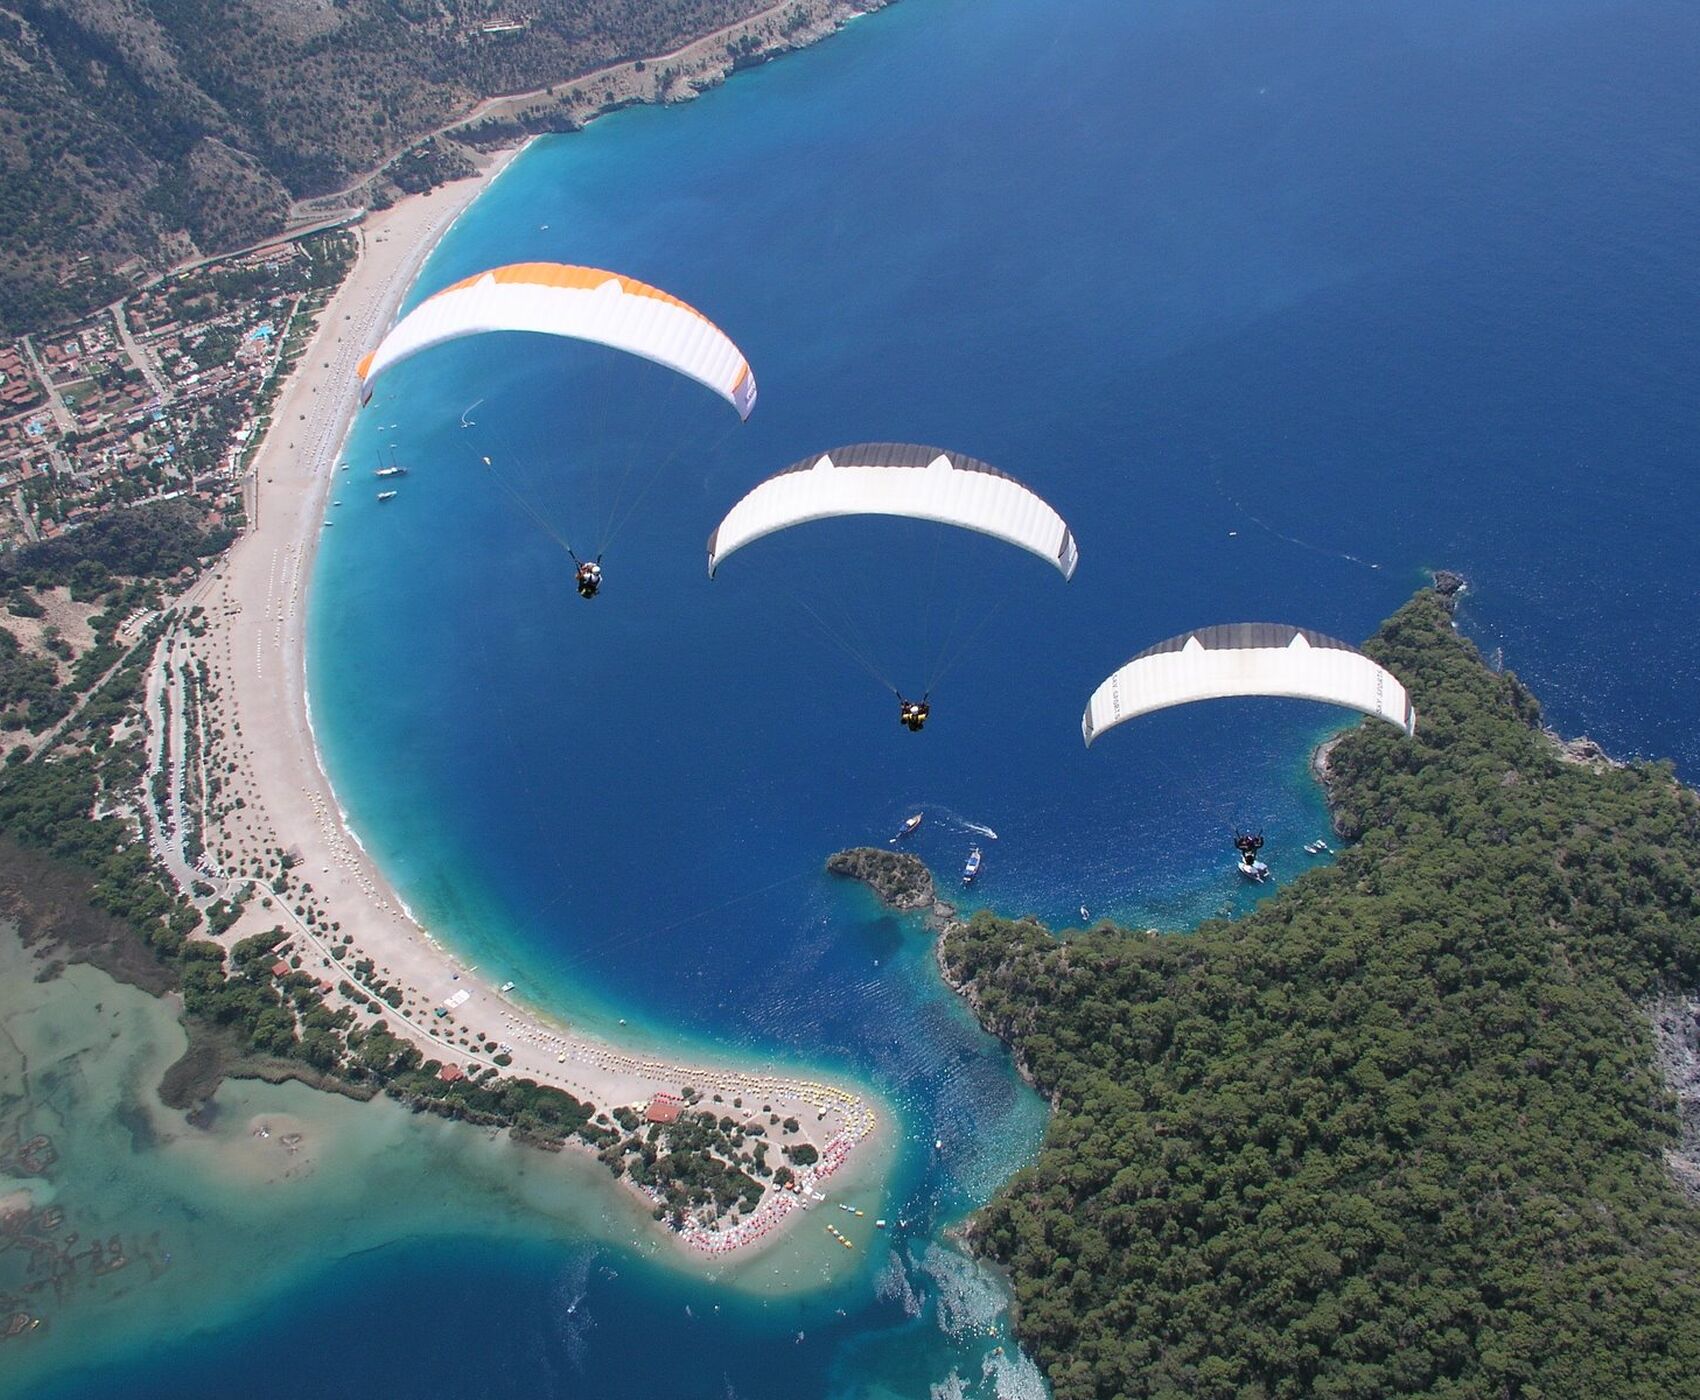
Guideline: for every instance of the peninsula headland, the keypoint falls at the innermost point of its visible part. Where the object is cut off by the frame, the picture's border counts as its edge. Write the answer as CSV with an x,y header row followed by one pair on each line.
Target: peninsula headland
x,y
1410,1126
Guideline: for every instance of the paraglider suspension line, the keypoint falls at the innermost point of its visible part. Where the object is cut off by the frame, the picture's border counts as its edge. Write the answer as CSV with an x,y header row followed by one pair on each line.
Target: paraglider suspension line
x,y
947,664
619,518
541,521
856,653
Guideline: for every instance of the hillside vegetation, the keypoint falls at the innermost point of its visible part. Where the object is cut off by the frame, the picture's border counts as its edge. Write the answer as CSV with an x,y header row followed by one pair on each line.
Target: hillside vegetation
x,y
149,129
1399,1132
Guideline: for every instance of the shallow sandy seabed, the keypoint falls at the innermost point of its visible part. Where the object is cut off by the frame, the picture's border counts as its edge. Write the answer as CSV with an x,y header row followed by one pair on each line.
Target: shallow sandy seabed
x,y
213,1218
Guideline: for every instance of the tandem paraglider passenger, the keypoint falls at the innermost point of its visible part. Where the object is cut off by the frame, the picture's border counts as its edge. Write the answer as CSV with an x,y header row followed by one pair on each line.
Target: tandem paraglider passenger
x,y
1250,866
588,578
913,713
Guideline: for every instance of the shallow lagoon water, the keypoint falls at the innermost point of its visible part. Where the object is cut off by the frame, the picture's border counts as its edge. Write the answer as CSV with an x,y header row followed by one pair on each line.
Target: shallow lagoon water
x,y
1281,310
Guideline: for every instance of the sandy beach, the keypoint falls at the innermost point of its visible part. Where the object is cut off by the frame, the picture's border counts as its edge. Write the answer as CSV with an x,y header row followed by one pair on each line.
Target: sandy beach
x,y
256,734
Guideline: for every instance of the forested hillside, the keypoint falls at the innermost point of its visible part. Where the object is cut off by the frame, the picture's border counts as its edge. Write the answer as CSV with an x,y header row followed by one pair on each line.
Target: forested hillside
x,y
1400,1132
154,128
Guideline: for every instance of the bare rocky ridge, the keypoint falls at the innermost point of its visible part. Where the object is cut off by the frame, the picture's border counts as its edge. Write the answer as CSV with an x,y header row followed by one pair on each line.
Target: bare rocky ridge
x,y
1676,1048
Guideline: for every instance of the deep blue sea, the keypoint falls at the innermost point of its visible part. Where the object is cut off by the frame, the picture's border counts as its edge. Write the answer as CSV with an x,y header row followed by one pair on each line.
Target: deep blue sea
x,y
1281,306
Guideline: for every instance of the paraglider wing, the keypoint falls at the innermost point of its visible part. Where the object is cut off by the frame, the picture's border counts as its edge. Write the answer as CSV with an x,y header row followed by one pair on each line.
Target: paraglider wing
x,y
580,303
891,478
1247,658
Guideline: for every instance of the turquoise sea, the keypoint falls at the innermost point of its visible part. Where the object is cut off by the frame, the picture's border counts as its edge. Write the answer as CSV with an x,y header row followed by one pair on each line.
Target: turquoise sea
x,y
1280,306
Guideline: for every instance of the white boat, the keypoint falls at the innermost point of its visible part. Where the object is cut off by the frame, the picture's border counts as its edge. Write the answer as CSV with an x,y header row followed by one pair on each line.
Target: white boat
x,y
909,825
1315,848
1255,871
386,495
971,868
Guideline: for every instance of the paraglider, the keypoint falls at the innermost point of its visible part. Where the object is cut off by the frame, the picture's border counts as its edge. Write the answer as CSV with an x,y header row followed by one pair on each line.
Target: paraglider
x,y
905,481
1247,658
600,311
1250,866
912,714
901,479
580,303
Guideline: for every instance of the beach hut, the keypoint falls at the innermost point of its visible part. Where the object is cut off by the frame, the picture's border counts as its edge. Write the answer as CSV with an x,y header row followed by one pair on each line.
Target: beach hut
x,y
664,1108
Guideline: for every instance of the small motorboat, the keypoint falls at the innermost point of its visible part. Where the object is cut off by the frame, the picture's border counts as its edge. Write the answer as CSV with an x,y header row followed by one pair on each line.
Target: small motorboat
x,y
971,867
386,495
1254,870
1315,848
909,825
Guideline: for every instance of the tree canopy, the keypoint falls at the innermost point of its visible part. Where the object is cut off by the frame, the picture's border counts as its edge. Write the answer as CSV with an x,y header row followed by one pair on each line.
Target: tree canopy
x,y
1398,1132
153,540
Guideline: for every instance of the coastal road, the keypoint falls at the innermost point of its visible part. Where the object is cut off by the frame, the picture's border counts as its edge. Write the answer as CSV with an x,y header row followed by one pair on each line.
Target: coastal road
x,y
140,357
24,517
166,737
61,414
630,79
51,736
172,753
168,748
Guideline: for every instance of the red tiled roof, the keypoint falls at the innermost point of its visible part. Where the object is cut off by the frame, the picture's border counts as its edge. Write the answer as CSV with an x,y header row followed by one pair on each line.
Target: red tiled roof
x,y
664,1108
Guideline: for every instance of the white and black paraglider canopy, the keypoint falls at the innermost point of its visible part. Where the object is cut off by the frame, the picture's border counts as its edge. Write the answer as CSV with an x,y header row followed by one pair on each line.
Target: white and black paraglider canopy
x,y
898,479
1247,659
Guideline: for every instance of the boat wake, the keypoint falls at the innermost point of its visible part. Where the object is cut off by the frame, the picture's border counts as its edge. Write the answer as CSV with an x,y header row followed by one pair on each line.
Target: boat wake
x,y
1268,529
983,830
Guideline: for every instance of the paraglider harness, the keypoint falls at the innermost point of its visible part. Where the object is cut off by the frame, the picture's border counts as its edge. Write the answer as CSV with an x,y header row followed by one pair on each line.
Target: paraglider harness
x,y
912,714
589,576
1248,846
